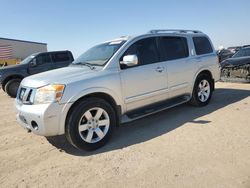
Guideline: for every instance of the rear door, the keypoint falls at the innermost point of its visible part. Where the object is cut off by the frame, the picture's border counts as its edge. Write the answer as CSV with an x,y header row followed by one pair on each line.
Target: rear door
x,y
61,59
180,67
43,63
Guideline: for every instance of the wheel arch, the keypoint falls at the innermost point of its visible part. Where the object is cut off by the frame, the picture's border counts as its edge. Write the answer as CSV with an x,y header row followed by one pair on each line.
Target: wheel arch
x,y
102,95
8,78
206,72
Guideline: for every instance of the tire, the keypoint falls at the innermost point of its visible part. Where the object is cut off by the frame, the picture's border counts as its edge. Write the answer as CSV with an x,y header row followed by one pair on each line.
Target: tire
x,y
12,86
202,91
3,87
88,130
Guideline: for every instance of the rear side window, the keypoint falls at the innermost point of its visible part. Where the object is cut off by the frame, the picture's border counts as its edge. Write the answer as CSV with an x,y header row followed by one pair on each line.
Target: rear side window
x,y
242,53
174,48
60,57
145,50
202,45
43,59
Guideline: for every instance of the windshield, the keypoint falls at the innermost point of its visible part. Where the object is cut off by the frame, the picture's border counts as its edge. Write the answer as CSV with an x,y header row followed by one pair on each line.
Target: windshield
x,y
99,55
27,59
242,53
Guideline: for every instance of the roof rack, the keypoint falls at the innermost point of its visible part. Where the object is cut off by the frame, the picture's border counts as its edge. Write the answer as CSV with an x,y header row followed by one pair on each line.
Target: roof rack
x,y
173,31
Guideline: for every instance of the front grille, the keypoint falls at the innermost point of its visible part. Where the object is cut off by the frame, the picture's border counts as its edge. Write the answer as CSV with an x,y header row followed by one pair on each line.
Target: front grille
x,y
25,95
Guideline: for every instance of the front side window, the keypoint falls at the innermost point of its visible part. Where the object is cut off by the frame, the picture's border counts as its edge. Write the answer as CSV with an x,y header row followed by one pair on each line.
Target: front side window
x,y
146,51
99,55
174,48
202,45
242,53
43,59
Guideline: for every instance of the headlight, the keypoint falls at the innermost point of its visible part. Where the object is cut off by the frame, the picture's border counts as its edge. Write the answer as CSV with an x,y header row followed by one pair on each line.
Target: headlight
x,y
48,94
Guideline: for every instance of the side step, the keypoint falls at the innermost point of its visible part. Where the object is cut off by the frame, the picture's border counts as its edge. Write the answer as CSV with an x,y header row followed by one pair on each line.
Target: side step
x,y
152,109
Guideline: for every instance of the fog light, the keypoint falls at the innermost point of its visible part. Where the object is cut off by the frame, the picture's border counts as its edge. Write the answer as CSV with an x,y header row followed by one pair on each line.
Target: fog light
x,y
34,125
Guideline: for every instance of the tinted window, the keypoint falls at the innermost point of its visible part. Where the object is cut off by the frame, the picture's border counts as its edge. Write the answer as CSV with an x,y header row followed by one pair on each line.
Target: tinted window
x,y
145,50
60,57
242,53
42,59
202,45
174,48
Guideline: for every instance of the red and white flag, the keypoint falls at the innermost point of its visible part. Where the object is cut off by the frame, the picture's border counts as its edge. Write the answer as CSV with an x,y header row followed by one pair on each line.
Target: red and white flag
x,y
5,51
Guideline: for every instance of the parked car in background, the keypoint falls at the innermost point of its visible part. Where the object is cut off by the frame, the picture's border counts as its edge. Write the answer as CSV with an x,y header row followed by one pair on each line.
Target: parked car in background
x,y
224,54
116,82
234,49
11,76
237,68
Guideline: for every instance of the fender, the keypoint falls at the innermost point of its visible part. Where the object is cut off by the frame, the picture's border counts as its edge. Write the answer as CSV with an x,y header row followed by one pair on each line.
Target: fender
x,y
8,77
73,99
93,90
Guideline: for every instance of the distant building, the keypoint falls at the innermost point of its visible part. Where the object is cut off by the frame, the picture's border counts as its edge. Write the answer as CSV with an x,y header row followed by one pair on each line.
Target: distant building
x,y
11,49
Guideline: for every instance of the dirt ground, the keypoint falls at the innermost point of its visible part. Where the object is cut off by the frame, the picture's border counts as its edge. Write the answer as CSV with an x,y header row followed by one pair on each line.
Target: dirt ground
x,y
181,147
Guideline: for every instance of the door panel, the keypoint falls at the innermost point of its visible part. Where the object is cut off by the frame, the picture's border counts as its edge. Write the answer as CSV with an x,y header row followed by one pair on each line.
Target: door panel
x,y
144,85
180,75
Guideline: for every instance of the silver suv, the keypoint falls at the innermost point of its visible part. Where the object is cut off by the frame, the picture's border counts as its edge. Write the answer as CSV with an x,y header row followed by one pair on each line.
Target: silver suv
x,y
119,81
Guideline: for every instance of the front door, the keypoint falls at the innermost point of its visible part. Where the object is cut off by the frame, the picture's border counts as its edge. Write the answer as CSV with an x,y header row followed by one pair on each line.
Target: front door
x,y
145,83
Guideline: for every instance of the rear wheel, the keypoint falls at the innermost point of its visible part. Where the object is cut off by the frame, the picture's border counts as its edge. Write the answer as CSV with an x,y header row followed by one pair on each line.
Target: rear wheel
x,y
11,87
90,124
202,91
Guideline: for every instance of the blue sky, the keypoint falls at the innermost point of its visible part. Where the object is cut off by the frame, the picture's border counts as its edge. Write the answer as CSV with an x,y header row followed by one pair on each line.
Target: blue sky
x,y
77,25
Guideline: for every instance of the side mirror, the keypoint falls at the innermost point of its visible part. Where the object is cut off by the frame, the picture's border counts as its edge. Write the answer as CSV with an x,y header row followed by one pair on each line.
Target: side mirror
x,y
33,63
129,60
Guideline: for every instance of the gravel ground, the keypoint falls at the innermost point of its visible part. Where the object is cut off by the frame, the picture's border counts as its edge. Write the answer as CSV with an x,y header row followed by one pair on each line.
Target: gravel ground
x,y
181,147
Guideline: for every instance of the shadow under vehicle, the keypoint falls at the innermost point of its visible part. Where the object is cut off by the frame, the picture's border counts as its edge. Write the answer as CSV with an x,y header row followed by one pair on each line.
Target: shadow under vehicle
x,y
156,125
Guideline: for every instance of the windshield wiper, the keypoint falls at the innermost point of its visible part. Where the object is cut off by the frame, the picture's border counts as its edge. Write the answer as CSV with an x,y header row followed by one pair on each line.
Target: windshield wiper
x,y
86,64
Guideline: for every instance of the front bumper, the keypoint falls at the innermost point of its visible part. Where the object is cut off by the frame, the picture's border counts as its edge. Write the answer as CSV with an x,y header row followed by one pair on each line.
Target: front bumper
x,y
42,119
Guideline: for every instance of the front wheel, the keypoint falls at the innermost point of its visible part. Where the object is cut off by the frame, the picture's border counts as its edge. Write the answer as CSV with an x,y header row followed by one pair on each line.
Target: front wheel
x,y
202,91
12,86
90,124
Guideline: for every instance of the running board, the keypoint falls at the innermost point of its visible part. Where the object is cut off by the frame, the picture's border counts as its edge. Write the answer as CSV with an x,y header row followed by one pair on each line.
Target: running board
x,y
152,109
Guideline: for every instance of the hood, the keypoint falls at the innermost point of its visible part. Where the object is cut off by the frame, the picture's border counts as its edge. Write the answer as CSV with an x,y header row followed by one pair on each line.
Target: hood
x,y
64,75
237,61
12,67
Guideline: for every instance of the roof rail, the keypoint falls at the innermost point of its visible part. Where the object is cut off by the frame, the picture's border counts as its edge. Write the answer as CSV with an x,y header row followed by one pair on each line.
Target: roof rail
x,y
173,31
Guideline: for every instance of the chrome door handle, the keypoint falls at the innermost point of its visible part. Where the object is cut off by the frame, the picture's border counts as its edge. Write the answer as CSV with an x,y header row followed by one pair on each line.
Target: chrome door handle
x,y
159,69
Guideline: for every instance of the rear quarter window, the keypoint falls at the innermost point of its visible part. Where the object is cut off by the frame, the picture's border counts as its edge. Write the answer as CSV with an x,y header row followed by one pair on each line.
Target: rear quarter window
x,y
202,45
61,57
